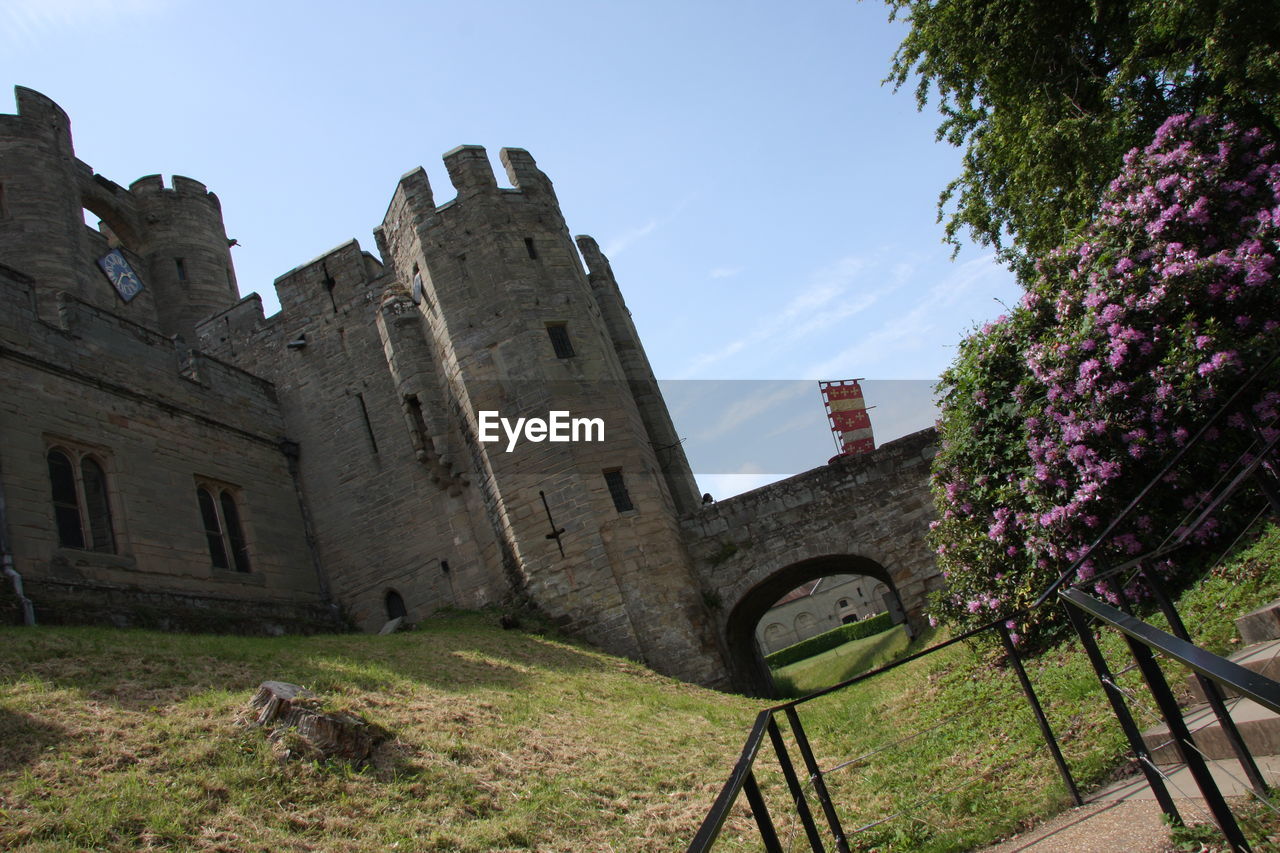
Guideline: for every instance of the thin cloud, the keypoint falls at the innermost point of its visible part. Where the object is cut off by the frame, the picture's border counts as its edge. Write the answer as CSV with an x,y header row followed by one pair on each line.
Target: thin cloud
x,y
806,420
628,238
621,242
905,332
808,312
26,20
751,407
725,272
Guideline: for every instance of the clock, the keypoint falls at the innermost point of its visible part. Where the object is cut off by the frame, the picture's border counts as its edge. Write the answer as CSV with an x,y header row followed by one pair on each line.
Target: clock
x,y
121,275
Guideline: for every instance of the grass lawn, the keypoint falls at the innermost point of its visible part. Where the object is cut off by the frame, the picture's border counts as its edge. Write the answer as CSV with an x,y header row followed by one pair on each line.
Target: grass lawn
x,y
133,740
948,751
842,662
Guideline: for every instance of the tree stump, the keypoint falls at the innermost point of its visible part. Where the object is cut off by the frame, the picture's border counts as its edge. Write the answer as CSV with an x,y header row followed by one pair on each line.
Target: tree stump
x,y
321,734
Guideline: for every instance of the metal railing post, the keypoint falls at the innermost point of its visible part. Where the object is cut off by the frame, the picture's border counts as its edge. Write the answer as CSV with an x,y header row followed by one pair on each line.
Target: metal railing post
x,y
815,774
1187,749
1212,694
1112,691
793,783
768,834
1045,730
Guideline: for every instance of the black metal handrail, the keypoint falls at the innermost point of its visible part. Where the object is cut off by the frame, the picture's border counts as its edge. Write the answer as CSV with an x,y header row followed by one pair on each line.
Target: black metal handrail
x,y
1224,672
1143,639
742,778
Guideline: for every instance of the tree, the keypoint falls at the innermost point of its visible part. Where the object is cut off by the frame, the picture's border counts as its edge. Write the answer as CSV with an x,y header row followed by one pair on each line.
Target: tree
x,y
1128,338
1046,96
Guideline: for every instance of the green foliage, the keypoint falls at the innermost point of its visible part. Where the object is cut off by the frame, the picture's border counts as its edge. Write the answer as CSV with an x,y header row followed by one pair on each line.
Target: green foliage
x,y
1126,342
1045,98
829,640
1246,582
127,740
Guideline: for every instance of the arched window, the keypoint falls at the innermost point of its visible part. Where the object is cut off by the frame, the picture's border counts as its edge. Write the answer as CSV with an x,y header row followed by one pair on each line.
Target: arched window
x,y
806,626
223,532
842,603
395,605
97,507
81,505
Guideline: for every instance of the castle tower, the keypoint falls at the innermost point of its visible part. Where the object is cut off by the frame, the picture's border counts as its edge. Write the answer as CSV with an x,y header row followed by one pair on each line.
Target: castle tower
x,y
59,221
40,222
640,378
588,528
187,254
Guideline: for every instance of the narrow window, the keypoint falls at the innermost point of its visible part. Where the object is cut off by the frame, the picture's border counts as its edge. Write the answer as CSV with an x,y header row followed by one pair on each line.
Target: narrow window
x,y
212,529
223,532
2,209
462,266
417,423
395,605
618,491
559,334
97,507
530,248
181,267
235,533
416,293
66,504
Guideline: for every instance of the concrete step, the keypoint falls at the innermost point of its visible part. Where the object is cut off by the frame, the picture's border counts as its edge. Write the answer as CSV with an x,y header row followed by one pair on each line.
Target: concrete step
x,y
1227,773
1262,658
1259,727
1261,625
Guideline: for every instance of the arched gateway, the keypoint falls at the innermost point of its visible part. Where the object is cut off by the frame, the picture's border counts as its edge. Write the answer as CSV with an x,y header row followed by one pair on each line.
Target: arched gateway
x,y
862,515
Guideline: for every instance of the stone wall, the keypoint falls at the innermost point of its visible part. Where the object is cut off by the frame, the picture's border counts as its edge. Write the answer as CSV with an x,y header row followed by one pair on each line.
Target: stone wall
x,y
159,421
345,430
865,515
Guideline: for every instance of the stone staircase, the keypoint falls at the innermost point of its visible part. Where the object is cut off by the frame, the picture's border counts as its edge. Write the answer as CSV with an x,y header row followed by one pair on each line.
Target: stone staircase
x,y
1260,635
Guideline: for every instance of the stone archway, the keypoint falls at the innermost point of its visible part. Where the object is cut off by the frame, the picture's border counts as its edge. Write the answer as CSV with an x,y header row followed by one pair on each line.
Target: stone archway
x,y
747,668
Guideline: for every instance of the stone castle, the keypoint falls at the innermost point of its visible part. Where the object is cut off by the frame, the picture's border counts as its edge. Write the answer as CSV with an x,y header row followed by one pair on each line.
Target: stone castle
x,y
170,456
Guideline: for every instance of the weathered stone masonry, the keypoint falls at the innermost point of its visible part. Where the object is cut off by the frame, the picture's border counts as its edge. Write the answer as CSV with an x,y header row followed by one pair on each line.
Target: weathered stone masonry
x,y
180,459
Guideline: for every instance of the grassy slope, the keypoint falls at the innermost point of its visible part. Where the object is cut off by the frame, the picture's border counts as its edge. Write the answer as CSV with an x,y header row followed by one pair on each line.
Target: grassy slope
x,y
841,663
129,739
972,767
126,740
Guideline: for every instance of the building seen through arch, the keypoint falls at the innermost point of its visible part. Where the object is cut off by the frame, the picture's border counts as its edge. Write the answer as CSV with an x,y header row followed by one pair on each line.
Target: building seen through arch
x,y
818,606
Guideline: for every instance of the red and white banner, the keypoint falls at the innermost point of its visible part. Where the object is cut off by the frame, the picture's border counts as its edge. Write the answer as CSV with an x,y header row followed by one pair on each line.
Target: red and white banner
x,y
847,412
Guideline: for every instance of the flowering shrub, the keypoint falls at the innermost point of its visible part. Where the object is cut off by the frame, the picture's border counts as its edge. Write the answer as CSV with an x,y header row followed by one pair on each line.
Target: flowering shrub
x,y
1129,338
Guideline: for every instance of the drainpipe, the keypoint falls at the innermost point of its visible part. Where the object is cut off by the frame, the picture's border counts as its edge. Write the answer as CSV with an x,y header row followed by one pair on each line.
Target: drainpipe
x,y
6,560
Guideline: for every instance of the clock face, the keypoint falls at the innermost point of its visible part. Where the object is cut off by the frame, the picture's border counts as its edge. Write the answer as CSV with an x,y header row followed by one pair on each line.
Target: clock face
x,y
121,275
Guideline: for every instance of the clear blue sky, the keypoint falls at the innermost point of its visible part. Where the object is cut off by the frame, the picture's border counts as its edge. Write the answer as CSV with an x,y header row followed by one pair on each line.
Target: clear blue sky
x,y
767,204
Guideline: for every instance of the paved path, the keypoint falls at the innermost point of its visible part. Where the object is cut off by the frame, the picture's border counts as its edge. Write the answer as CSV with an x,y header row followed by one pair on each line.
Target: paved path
x,y
1125,817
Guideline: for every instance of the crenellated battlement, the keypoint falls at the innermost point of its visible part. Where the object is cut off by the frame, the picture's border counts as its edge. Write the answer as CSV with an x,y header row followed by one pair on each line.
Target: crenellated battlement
x,y
346,428
470,171
38,115
173,236
149,185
